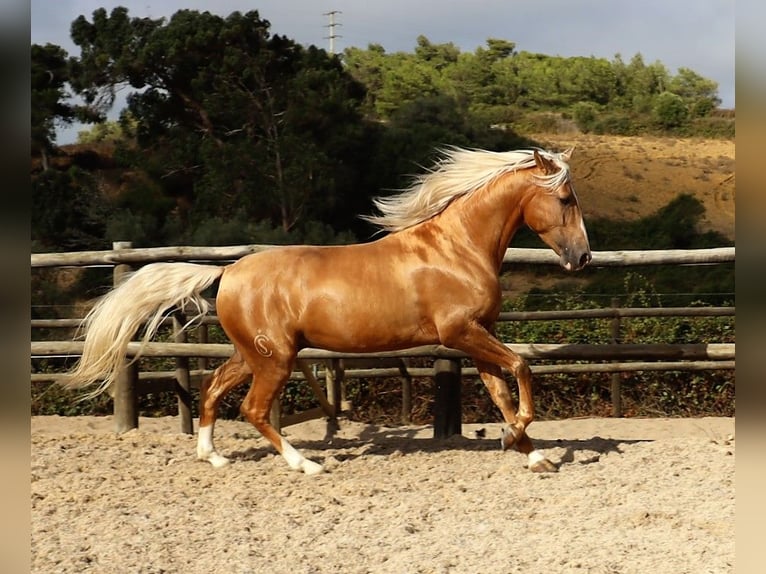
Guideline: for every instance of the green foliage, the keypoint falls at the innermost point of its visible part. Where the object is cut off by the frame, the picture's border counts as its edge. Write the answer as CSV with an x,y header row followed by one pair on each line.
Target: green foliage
x,y
109,131
673,226
618,123
236,231
585,115
605,96
229,117
48,94
711,127
141,229
672,393
699,93
670,110
50,73
51,399
67,211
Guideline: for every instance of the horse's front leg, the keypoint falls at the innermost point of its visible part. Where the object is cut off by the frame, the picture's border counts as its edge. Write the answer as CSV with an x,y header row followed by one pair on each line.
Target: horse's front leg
x,y
490,357
515,436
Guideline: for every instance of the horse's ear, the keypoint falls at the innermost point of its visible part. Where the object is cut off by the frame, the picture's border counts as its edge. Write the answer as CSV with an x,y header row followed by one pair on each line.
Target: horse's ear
x,y
566,155
545,165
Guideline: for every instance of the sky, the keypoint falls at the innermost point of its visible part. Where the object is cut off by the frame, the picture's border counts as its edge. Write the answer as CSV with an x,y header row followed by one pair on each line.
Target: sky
x,y
695,34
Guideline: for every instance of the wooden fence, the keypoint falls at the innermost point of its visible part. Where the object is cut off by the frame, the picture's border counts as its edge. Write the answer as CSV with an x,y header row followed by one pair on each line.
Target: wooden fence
x,y
335,368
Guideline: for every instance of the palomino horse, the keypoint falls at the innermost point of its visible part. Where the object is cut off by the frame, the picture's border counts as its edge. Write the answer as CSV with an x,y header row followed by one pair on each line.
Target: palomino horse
x,y
432,280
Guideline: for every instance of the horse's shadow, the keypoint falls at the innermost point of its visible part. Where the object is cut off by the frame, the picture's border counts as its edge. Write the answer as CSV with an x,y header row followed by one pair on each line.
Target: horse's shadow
x,y
385,441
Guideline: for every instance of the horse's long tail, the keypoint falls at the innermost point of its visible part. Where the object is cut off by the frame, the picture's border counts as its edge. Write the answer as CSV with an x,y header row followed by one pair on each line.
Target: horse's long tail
x,y
147,296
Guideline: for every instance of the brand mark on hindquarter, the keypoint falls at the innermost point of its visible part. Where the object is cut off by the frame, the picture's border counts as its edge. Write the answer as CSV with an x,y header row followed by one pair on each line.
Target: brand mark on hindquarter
x,y
263,345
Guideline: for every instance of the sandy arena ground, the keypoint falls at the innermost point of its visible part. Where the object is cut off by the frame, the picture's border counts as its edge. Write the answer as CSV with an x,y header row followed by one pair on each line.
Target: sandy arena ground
x,y
631,496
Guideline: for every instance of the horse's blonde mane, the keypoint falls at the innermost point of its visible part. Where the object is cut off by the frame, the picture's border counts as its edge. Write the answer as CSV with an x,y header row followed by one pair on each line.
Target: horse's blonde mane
x,y
457,172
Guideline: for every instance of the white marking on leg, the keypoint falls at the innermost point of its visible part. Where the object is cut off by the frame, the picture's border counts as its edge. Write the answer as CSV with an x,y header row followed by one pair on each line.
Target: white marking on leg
x,y
297,461
204,442
206,450
535,456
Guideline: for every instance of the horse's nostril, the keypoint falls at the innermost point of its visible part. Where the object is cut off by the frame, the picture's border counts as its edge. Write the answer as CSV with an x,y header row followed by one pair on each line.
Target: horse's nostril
x,y
585,259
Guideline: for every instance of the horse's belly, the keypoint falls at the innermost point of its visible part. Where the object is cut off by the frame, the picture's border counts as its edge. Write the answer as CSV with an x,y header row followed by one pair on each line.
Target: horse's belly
x,y
365,328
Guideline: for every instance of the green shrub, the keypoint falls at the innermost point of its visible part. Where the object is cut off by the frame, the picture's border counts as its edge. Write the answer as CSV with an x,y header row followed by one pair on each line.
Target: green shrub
x,y
670,110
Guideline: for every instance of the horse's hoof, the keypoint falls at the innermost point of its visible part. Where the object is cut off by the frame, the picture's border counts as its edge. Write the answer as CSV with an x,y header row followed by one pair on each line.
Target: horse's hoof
x,y
218,461
310,467
543,465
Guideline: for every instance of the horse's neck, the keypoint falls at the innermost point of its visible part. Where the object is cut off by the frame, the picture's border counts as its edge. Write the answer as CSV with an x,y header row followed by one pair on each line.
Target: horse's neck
x,y
488,219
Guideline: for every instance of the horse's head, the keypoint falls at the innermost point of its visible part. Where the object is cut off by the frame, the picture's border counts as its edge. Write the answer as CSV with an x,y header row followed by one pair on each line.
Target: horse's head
x,y
553,212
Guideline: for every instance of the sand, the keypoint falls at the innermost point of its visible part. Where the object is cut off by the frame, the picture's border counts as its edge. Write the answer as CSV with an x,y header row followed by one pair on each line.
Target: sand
x,y
631,496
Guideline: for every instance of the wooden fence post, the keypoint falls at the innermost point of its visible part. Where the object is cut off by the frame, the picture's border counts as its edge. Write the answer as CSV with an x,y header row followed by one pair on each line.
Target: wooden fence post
x,y
616,384
447,407
202,337
406,393
125,397
346,405
275,415
183,377
334,374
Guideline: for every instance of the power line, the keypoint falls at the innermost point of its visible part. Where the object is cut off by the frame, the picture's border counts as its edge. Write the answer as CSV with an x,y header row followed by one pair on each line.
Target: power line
x,y
332,26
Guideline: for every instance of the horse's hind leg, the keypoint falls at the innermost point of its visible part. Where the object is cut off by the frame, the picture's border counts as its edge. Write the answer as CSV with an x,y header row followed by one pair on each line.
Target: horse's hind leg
x,y
213,388
270,376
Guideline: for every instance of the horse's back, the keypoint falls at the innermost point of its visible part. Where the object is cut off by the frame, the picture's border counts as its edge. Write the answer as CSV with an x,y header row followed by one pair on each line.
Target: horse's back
x,y
293,261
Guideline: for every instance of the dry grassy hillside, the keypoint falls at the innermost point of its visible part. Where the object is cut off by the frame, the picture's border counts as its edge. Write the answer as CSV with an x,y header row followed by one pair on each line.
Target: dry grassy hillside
x,y
630,177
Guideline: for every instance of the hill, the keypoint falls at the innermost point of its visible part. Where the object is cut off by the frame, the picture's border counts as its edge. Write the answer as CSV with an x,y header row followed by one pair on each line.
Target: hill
x,y
625,178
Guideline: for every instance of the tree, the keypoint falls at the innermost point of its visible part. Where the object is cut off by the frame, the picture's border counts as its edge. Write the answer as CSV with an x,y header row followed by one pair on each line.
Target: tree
x,y
675,225
109,131
486,77
700,94
49,94
230,116
497,49
112,54
368,67
67,211
407,80
501,85
438,56
542,81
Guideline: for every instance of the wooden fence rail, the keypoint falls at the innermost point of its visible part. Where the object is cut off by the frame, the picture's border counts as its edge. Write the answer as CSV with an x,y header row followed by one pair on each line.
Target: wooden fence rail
x,y
128,255
614,357
539,351
606,313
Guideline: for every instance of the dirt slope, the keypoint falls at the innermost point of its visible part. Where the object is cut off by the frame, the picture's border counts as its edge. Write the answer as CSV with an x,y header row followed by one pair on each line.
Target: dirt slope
x,y
631,177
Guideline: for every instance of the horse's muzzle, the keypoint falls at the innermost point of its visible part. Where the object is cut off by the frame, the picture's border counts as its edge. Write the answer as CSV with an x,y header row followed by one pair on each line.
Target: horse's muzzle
x,y
575,261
